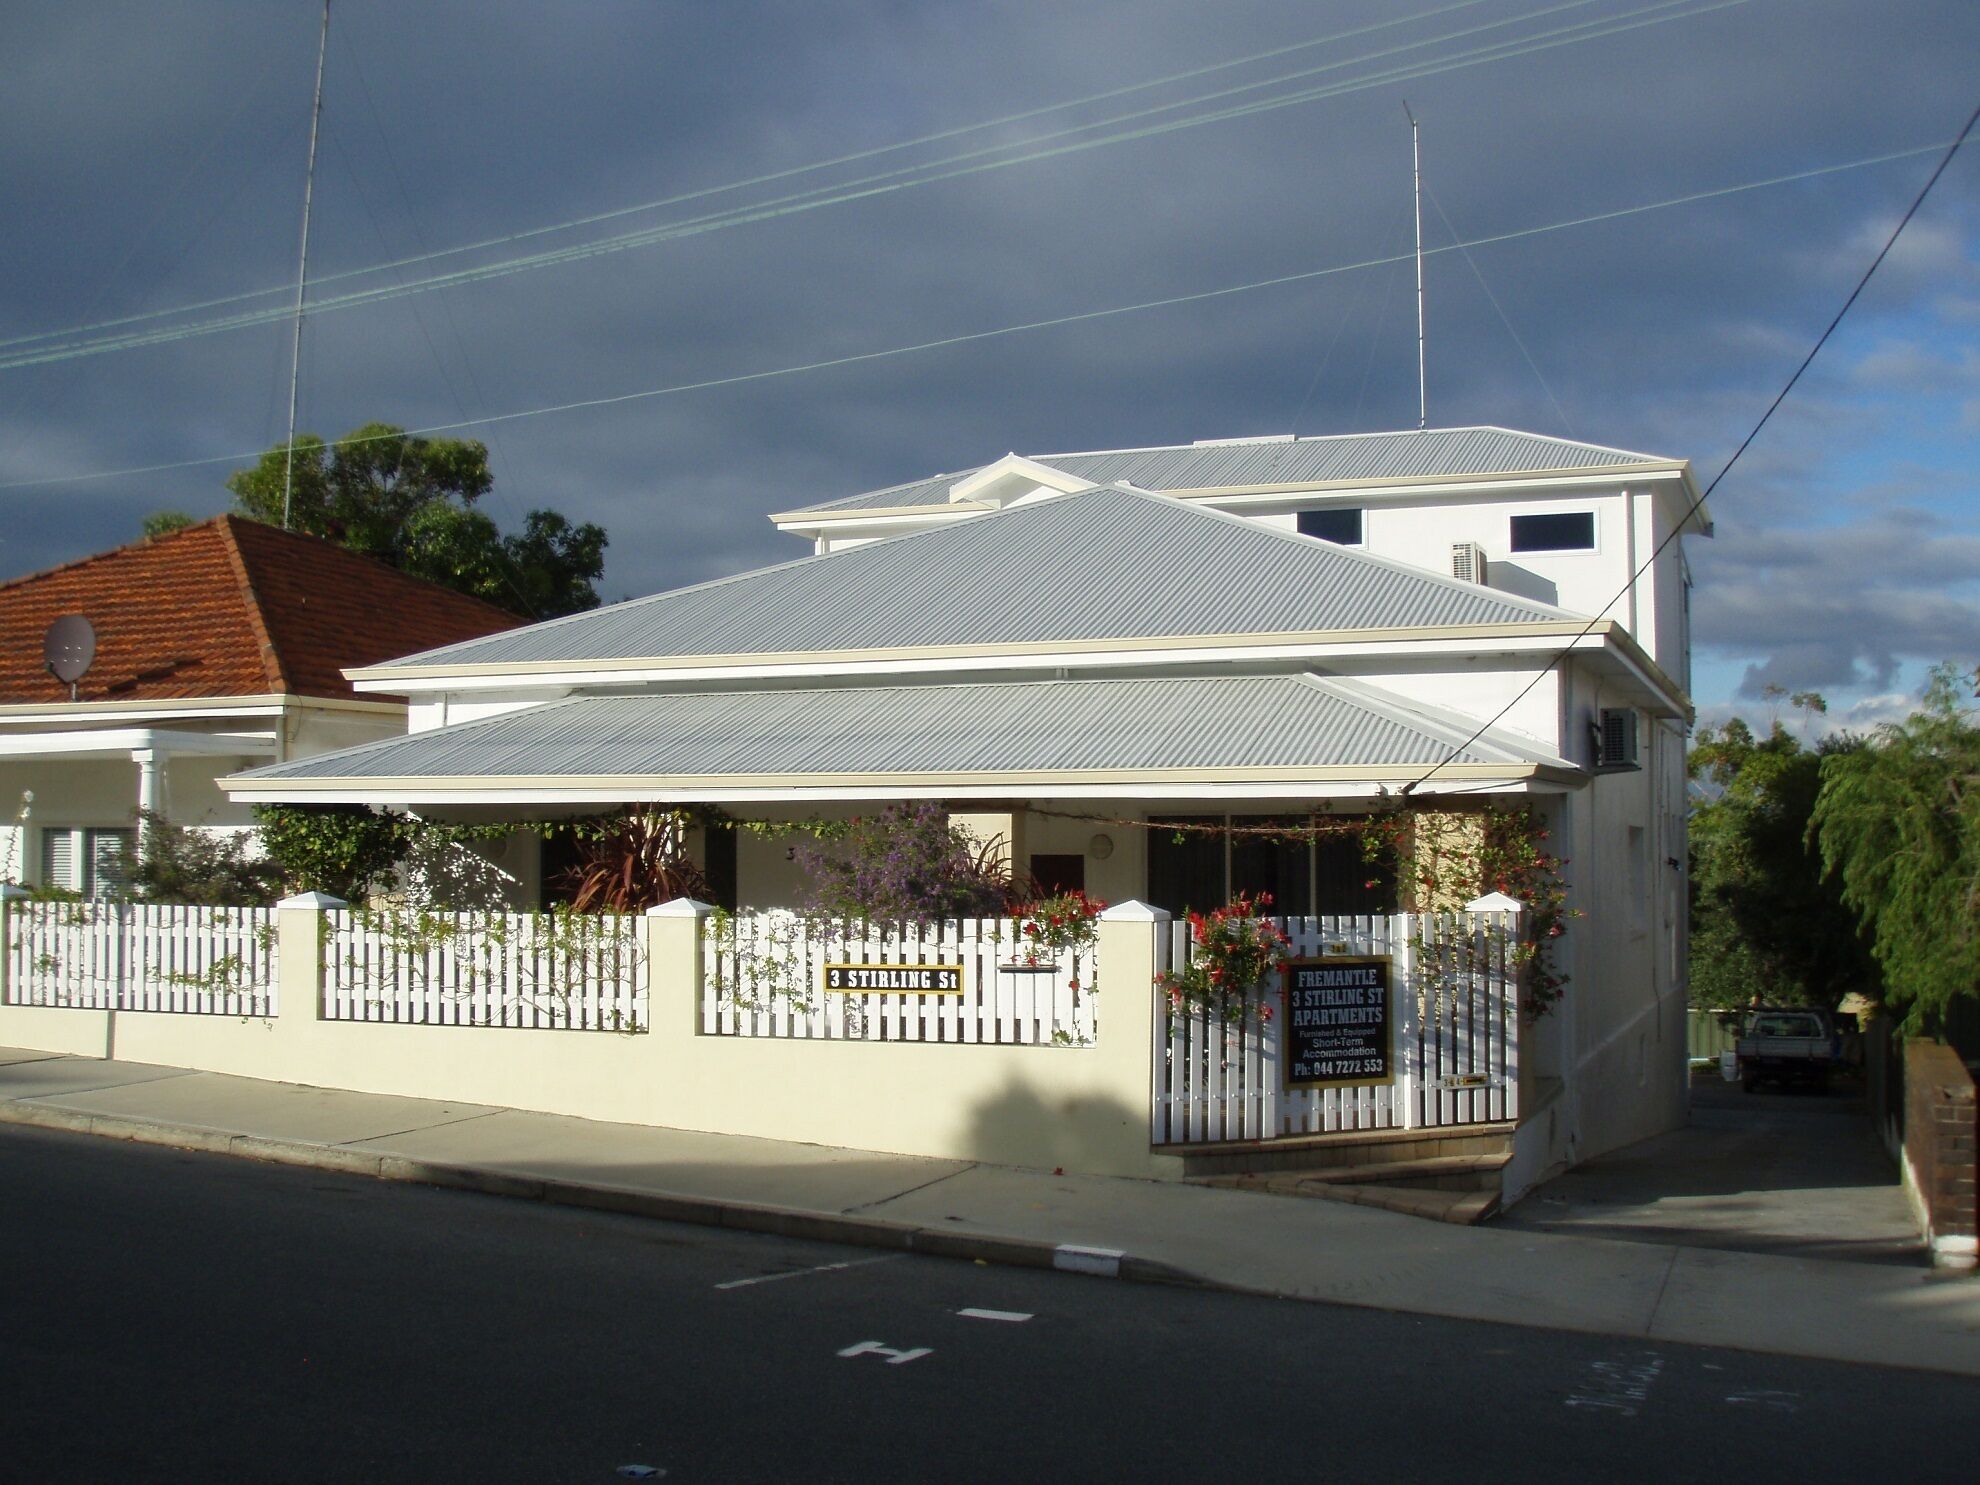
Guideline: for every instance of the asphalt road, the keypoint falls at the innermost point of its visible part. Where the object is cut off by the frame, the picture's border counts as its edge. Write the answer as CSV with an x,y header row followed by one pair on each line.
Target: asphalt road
x,y
181,1317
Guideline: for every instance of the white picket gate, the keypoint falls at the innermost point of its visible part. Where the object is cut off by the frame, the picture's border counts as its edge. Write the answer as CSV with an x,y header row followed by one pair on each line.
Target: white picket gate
x,y
1454,1055
142,956
535,971
764,975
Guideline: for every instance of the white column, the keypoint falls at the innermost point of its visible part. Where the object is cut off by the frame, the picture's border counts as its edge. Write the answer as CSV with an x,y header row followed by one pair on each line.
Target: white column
x,y
151,779
673,967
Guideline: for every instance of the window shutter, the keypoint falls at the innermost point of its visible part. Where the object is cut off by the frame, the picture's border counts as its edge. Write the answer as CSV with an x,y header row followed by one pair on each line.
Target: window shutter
x,y
58,859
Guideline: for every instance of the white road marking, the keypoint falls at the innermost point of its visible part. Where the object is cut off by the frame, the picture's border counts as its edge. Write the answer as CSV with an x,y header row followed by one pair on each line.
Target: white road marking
x,y
1771,1399
799,1273
894,1358
1012,1315
1617,1386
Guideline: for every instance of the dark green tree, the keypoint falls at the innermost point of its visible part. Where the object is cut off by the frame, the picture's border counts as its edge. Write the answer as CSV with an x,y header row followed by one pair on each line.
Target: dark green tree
x,y
1898,824
1764,919
412,502
344,850
165,522
199,867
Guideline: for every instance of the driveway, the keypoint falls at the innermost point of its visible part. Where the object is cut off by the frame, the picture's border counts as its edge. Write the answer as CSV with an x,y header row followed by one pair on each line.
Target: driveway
x,y
1795,1173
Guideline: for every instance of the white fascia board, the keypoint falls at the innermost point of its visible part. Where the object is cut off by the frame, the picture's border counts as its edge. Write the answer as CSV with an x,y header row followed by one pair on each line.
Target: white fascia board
x,y
1013,468
117,741
883,521
1511,488
1467,779
189,708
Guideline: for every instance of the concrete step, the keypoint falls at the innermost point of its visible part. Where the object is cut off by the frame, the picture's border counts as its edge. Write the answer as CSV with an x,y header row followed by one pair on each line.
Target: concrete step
x,y
1438,1173
1313,1152
1464,1207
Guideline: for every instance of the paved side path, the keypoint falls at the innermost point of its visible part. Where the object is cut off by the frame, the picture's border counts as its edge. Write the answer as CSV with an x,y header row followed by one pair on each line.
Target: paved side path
x,y
1314,1250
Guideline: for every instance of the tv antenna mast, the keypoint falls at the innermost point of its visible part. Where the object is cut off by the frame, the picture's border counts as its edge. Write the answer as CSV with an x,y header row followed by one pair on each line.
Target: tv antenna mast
x,y
1416,166
302,269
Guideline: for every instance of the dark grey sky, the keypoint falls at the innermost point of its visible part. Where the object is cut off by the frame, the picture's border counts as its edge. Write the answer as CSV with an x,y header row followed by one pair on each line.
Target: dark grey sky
x,y
151,157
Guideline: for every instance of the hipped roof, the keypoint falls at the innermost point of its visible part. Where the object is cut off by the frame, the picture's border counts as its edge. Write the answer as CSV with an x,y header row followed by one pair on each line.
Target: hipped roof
x,y
1103,563
229,607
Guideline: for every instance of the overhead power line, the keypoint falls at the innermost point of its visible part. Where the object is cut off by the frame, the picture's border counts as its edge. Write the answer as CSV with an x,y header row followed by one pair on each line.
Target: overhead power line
x,y
426,255
1744,444
1511,235
955,167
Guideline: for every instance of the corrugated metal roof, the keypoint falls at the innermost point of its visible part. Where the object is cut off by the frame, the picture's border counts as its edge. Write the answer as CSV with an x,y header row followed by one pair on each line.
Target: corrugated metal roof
x,y
1093,565
1374,457
1142,725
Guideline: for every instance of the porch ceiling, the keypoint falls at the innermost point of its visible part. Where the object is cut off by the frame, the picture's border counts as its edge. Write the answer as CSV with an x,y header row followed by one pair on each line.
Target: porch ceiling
x,y
1286,736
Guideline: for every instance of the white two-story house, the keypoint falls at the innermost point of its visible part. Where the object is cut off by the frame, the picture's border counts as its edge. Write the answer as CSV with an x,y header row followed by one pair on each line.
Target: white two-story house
x,y
1069,650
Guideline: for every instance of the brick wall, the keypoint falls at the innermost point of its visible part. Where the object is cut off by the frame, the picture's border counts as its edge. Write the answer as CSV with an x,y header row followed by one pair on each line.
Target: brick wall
x,y
1939,1150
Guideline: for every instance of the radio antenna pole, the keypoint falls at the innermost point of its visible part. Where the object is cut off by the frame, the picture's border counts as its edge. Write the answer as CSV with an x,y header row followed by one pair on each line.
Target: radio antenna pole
x,y
1416,162
302,269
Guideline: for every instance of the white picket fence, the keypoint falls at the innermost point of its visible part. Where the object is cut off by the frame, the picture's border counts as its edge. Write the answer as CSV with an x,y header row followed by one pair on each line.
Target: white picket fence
x,y
1455,1053
531,971
763,974
141,956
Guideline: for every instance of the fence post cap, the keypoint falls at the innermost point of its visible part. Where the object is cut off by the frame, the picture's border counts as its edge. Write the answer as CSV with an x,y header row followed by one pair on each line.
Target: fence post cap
x,y
10,893
315,902
681,907
1133,911
1494,902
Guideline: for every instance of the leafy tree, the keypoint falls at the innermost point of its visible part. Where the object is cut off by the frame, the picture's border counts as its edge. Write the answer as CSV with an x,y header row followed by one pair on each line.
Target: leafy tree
x,y
411,502
199,867
1898,824
344,850
1764,919
165,522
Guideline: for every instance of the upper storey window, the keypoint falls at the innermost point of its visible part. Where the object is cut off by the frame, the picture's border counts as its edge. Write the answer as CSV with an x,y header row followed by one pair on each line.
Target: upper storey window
x,y
1342,526
1564,531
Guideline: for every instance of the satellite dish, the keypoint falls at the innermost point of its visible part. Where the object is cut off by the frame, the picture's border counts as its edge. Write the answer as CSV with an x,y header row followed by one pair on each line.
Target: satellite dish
x,y
69,647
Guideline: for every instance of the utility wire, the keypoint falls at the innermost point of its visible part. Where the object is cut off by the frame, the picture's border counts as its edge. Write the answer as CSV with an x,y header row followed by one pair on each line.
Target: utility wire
x,y
768,177
1504,319
1511,235
1662,12
1744,444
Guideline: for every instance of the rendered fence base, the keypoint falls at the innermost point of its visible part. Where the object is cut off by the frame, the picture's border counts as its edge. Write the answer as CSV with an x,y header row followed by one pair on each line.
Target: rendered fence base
x,y
1084,1109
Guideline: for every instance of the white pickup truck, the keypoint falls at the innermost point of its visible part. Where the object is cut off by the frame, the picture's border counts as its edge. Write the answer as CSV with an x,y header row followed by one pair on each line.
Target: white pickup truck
x,y
1789,1046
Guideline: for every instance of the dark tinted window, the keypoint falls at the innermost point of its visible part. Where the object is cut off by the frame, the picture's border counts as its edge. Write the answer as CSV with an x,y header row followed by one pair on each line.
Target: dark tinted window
x,y
1342,527
1188,872
1569,531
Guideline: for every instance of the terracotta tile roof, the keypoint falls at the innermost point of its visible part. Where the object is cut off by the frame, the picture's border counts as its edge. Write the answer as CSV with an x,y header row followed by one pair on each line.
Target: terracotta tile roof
x,y
229,607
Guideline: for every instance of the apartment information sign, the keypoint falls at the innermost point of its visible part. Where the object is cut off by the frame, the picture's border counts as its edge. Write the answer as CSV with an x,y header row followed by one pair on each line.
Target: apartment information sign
x,y
1339,1023
894,979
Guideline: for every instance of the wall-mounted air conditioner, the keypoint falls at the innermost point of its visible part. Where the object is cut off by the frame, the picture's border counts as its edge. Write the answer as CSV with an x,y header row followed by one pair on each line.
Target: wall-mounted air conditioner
x,y
1612,739
1468,562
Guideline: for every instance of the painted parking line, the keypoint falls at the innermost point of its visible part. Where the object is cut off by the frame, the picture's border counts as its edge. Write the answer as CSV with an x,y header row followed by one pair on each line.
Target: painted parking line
x,y
1011,1315
799,1273
1621,1387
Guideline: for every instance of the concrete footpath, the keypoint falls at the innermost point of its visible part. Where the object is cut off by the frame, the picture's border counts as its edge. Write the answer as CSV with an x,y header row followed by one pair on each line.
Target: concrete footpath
x,y
1297,1249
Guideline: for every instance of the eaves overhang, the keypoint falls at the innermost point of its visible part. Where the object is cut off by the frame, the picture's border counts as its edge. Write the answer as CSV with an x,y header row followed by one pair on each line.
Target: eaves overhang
x,y
1316,784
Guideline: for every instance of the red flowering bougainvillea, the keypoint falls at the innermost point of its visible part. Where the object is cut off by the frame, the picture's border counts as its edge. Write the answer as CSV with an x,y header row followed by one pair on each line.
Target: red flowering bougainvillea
x,y
1051,925
1233,967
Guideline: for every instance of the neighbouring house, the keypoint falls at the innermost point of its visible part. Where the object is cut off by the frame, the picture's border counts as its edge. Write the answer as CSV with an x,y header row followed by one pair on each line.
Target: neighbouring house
x,y
1069,649
217,647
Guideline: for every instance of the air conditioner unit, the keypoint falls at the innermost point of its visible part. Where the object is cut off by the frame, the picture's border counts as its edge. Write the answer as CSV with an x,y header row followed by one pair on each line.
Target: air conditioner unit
x,y
1612,738
1468,562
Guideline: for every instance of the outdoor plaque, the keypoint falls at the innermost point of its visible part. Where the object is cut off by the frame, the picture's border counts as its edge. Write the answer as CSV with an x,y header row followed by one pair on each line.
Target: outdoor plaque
x,y
1339,1023
894,979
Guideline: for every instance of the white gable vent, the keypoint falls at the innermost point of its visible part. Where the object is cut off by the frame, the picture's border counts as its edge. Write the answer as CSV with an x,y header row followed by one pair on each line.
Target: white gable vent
x,y
1468,562
1612,739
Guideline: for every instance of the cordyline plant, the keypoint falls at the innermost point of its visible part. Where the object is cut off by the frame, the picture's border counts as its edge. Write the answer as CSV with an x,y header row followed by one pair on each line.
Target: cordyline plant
x,y
1237,953
632,862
